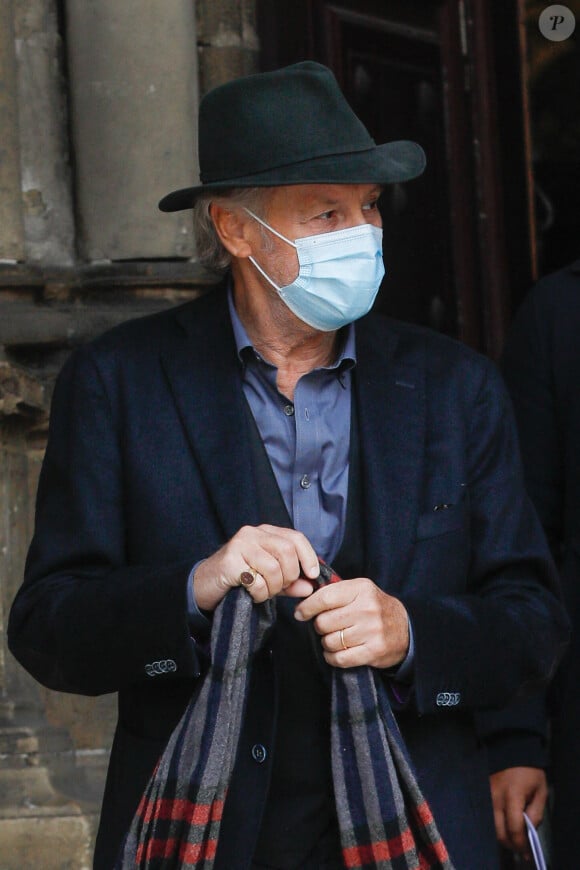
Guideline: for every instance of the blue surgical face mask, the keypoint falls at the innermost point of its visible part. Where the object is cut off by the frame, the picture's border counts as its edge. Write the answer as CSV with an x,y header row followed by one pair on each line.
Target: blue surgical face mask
x,y
339,276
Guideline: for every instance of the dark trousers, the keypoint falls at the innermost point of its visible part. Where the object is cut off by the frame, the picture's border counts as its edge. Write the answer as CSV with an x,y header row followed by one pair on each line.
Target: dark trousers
x,y
327,855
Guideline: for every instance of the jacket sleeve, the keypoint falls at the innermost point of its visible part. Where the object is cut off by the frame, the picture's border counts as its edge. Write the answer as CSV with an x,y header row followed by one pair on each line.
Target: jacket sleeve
x,y
505,632
528,370
85,620
518,734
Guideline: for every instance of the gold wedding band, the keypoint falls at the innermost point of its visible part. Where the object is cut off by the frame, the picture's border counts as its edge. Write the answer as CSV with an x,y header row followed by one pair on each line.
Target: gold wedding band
x,y
248,578
344,646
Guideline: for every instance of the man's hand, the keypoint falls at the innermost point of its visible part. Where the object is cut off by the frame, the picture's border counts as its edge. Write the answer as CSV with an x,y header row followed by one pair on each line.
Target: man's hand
x,y
359,624
276,557
512,791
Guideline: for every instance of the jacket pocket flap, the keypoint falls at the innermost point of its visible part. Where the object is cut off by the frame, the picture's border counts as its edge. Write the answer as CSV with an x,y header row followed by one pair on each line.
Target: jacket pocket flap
x,y
439,522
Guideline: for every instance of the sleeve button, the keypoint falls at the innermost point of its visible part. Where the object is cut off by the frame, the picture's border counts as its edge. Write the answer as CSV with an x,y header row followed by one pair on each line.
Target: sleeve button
x,y
259,753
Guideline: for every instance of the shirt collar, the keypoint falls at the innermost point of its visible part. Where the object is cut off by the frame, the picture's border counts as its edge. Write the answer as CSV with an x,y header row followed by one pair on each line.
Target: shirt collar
x,y
346,359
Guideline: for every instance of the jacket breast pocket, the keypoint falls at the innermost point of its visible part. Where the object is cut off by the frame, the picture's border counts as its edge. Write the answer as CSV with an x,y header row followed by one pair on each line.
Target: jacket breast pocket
x,y
446,518
442,551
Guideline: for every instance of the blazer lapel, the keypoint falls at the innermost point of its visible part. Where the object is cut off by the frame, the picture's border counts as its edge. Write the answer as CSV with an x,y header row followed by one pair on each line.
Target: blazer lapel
x,y
391,407
204,376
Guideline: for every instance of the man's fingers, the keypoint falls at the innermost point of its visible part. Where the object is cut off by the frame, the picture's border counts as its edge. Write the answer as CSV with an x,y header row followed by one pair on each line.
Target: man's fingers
x,y
341,640
516,827
295,544
299,589
535,808
282,556
258,590
326,599
500,829
278,555
331,622
274,553
515,790
350,658
266,565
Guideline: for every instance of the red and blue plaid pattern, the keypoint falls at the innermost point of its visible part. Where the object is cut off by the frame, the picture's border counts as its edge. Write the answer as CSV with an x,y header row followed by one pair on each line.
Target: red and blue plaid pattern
x,y
384,820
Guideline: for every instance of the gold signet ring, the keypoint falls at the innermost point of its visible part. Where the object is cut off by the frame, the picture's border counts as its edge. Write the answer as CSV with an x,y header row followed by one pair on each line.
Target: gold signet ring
x,y
248,578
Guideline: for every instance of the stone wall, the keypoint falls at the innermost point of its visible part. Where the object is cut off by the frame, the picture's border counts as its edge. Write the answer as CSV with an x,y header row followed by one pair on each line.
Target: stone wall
x,y
97,112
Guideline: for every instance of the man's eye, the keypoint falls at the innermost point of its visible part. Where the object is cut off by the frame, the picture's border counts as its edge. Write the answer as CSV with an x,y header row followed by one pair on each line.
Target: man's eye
x,y
325,216
370,206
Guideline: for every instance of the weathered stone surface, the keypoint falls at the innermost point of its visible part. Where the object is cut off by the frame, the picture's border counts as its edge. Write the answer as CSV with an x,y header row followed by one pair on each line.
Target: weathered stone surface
x,y
38,326
20,393
11,225
52,758
228,22
48,218
46,842
219,65
134,95
28,791
89,721
228,42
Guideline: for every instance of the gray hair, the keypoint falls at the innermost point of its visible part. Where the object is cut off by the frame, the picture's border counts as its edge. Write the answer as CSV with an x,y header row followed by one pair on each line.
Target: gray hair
x,y
210,251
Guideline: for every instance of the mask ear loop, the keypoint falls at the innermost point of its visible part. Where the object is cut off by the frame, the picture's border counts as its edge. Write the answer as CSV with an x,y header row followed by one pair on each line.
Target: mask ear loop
x,y
267,277
276,233
271,229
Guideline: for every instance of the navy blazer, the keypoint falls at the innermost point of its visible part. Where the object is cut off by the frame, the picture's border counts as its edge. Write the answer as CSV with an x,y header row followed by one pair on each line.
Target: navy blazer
x,y
147,470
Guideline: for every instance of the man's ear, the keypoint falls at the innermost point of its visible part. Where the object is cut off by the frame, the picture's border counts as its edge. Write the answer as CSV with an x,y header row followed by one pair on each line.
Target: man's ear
x,y
233,230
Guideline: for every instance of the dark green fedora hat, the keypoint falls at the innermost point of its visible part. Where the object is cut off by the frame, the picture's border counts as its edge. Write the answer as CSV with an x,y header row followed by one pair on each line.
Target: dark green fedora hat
x,y
290,126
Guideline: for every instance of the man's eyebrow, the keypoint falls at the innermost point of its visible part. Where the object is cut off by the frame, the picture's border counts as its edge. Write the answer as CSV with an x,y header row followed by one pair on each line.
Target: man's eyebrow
x,y
323,202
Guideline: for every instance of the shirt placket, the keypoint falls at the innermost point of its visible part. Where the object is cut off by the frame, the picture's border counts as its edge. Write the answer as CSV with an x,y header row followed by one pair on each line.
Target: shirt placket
x,y
306,495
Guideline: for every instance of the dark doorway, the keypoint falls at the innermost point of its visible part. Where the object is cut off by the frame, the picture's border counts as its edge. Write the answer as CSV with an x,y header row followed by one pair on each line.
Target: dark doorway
x,y
554,89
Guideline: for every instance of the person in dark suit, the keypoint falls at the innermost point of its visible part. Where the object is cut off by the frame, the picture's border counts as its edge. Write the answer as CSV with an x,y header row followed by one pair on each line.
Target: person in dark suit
x,y
232,442
542,369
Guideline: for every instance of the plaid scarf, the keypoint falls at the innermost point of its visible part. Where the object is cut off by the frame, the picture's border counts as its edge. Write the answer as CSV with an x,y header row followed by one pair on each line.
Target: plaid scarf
x,y
384,820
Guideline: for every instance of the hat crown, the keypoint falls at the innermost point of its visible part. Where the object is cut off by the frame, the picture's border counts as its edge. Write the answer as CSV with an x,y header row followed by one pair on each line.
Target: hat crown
x,y
289,126
274,119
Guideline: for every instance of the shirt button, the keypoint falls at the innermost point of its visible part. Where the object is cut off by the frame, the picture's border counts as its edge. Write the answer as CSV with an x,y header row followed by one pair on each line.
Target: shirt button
x,y
259,753
289,410
305,482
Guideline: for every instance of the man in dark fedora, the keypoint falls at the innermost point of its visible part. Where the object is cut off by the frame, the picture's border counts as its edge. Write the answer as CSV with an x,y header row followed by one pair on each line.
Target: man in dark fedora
x,y
202,462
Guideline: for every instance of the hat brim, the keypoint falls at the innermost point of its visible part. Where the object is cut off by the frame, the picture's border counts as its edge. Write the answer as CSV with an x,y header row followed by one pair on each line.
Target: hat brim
x,y
384,164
